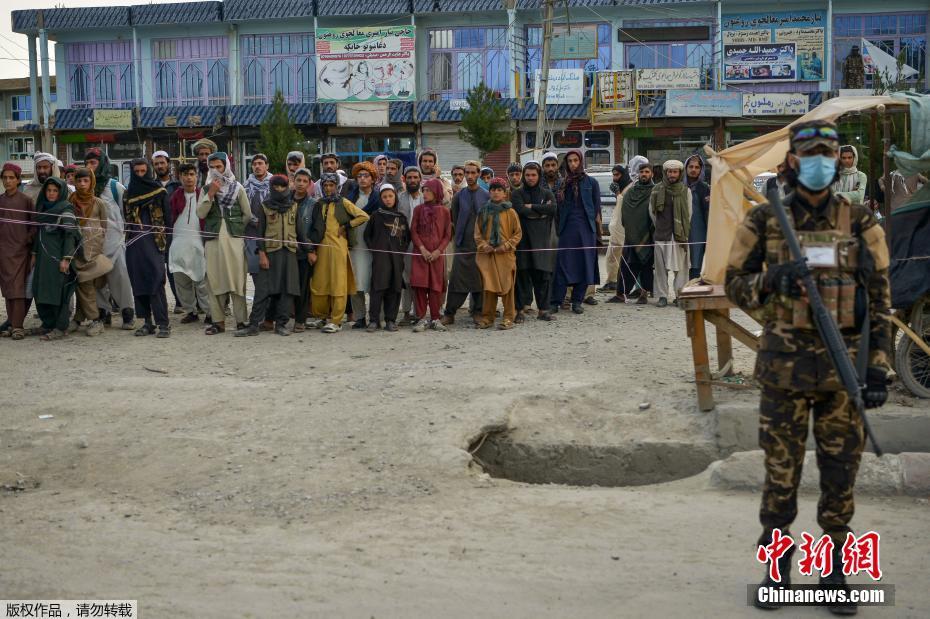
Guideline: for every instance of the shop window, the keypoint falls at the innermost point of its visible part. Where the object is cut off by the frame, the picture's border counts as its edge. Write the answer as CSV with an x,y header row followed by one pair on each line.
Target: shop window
x,y
897,34
462,58
20,148
191,71
100,75
597,157
597,139
278,62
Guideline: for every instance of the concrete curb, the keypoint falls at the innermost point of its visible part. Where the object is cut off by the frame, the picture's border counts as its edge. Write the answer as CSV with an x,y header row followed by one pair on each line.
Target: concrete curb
x,y
892,474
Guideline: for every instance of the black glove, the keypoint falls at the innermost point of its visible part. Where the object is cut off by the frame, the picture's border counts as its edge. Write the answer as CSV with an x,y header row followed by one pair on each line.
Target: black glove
x,y
783,279
876,387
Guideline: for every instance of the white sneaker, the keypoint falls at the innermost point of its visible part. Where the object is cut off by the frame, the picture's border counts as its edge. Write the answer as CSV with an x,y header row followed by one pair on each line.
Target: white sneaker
x,y
420,326
332,328
435,325
317,324
94,328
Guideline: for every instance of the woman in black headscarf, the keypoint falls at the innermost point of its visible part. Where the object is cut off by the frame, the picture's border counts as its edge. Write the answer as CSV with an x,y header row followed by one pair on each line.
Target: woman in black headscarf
x,y
54,279
148,219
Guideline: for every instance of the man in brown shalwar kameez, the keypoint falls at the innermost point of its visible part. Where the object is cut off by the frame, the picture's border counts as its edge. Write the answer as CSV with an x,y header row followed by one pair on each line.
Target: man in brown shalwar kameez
x,y
497,234
16,237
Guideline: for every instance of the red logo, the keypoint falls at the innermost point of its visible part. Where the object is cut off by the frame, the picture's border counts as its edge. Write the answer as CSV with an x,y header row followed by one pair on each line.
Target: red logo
x,y
773,552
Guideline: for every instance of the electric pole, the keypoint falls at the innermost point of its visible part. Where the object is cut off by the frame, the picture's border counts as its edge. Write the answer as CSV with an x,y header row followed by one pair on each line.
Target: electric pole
x,y
544,76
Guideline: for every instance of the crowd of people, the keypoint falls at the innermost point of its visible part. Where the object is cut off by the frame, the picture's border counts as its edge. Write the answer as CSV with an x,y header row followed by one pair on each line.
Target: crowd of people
x,y
383,245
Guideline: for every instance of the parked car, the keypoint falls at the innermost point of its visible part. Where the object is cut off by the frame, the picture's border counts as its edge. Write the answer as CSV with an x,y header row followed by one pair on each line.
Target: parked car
x,y
608,199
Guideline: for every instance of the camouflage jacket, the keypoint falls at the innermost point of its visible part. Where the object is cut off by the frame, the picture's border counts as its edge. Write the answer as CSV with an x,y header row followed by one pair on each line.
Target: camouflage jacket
x,y
796,359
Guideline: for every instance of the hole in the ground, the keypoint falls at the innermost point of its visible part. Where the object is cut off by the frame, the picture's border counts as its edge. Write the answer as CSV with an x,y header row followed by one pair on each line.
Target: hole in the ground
x,y
628,464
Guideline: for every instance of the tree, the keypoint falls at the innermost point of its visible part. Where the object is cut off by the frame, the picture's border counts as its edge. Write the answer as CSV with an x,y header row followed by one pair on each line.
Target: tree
x,y
279,136
486,122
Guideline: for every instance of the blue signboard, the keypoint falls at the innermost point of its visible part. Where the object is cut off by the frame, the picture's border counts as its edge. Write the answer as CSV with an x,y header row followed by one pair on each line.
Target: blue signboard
x,y
708,103
804,29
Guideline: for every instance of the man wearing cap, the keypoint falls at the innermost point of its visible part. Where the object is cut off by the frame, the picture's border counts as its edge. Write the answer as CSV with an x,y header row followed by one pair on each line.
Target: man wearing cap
x,y
43,166
798,380
161,166
670,209
484,177
407,203
328,163
202,150
465,279
295,160
552,180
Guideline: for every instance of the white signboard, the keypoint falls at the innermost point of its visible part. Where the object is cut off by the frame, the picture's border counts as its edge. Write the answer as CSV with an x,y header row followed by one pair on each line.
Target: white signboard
x,y
370,63
668,79
775,104
459,104
566,86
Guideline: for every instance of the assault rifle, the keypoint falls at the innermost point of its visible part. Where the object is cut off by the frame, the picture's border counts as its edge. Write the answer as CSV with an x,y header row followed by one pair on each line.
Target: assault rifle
x,y
826,325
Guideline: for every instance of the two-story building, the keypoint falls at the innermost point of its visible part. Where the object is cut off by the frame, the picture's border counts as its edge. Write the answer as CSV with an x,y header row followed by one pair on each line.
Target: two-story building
x,y
183,71
17,122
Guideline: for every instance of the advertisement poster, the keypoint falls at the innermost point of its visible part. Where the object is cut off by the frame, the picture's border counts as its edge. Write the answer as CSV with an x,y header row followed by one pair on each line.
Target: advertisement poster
x,y
775,104
366,64
760,63
805,29
615,88
711,103
668,79
566,86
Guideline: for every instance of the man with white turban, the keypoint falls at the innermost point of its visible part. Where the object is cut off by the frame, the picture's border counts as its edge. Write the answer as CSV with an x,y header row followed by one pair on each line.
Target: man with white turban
x,y
670,210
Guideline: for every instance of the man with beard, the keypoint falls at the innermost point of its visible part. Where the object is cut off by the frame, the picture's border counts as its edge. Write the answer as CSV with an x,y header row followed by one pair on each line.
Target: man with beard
x,y
89,262
552,180
465,278
393,176
118,288
700,212
535,205
226,211
277,282
636,261
16,235
329,163
148,221
429,169
458,179
202,150
161,164
257,186
621,179
43,169
670,209
407,203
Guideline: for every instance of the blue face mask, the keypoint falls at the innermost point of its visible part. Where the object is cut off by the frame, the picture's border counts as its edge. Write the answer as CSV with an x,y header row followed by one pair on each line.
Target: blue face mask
x,y
817,172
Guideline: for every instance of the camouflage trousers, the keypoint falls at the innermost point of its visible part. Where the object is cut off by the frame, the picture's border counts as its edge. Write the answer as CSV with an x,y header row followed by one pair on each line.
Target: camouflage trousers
x,y
784,417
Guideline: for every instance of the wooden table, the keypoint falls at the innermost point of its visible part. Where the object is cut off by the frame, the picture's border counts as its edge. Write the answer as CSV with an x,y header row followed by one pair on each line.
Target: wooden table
x,y
710,303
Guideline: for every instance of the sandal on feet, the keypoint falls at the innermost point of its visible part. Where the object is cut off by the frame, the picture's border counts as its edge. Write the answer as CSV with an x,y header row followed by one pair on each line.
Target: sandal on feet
x,y
54,334
215,328
17,334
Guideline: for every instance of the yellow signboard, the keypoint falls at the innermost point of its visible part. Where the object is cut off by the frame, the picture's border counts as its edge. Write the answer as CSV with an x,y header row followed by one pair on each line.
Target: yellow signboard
x,y
113,120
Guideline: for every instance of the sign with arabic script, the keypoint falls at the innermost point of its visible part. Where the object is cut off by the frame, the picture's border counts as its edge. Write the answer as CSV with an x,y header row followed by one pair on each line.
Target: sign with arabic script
x,y
804,29
366,64
775,104
668,79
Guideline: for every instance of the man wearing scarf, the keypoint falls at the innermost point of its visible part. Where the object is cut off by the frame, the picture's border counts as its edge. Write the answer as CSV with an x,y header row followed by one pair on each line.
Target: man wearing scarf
x,y
465,278
394,176
225,209
257,186
484,177
407,203
276,283
57,239
535,206
360,190
497,234
430,231
636,261
579,199
851,183
333,234
700,212
428,161
148,220
329,162
295,160
202,150
118,287
670,209
387,233
161,166
620,181
458,179
552,180
186,258
90,263
43,169
303,182
16,236
380,163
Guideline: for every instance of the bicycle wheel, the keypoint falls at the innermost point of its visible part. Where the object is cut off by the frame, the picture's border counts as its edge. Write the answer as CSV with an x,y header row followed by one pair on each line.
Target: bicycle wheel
x,y
911,363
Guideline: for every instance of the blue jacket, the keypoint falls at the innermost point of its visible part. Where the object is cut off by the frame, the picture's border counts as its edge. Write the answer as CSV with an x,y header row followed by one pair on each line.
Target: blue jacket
x,y
590,194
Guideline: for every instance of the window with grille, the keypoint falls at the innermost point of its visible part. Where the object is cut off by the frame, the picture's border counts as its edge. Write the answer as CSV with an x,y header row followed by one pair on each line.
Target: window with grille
x,y
898,34
191,71
462,58
278,62
100,75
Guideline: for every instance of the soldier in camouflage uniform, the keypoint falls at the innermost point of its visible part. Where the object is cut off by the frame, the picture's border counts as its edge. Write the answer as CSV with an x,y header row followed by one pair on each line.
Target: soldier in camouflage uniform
x,y
846,250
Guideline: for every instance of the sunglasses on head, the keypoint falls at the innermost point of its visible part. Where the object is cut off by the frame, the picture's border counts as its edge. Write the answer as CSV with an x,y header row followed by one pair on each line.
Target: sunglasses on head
x,y
808,133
